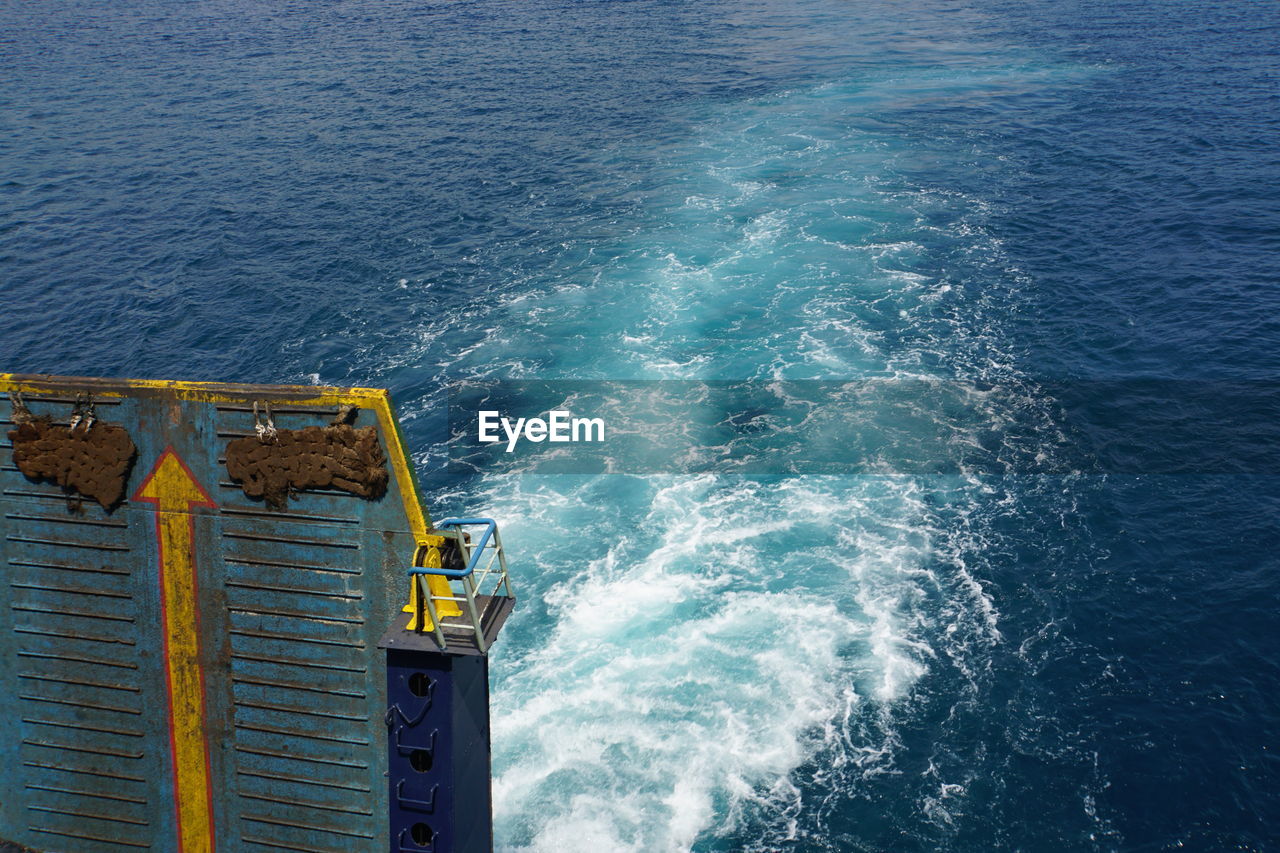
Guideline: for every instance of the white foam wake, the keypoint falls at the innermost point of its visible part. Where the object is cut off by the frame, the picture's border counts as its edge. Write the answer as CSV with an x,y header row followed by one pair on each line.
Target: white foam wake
x,y
689,649
712,639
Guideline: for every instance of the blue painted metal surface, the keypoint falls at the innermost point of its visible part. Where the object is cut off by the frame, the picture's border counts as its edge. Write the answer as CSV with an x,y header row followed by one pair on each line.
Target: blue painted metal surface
x,y
438,752
290,605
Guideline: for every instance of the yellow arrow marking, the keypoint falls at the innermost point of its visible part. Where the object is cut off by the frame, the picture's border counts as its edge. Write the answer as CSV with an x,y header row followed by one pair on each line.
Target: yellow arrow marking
x,y
173,490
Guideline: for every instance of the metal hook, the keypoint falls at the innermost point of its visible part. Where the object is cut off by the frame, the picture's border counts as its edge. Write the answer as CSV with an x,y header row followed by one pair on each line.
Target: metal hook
x,y
21,414
77,412
346,414
88,413
266,432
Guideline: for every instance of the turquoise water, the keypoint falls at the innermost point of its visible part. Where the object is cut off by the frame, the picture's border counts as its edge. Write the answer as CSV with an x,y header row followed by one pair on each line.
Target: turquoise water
x,y
1030,197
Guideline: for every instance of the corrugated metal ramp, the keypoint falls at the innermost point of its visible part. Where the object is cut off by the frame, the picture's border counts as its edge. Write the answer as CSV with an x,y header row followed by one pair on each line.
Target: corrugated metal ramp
x,y
196,669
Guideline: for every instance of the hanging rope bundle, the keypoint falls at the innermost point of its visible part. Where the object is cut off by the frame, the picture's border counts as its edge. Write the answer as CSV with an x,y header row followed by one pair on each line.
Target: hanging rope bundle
x,y
87,457
274,463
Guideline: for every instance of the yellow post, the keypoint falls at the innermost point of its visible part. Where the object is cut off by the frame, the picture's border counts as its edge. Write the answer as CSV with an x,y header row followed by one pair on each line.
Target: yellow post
x,y
429,554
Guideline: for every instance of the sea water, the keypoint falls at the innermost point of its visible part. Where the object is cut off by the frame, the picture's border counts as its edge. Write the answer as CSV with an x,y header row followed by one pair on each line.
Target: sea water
x,y
1046,208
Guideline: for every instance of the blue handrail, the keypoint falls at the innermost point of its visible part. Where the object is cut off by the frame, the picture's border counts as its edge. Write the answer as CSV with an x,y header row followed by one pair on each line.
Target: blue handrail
x,y
477,549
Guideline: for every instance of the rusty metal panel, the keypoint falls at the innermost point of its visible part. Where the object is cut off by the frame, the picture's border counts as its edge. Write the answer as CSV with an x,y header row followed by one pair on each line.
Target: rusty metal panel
x,y
196,669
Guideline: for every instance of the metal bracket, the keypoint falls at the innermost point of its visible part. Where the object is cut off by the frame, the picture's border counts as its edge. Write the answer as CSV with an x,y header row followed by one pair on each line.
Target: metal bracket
x,y
394,711
420,805
409,750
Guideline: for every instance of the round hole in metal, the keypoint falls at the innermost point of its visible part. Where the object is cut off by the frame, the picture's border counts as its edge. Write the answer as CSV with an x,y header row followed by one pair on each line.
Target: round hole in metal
x,y
419,684
421,834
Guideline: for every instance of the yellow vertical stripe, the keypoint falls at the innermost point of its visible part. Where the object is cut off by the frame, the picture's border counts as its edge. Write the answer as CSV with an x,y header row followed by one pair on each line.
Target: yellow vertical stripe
x,y
173,490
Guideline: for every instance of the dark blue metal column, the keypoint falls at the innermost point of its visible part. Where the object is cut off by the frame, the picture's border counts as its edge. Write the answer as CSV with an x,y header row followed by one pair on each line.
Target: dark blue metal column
x,y
438,694
438,751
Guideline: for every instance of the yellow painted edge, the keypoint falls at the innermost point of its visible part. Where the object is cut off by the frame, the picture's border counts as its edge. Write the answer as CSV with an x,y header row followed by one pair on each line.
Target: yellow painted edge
x,y
377,400
380,402
409,488
197,392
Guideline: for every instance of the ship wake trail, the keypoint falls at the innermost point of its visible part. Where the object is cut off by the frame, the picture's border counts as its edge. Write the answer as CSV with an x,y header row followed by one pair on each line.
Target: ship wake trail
x,y
717,660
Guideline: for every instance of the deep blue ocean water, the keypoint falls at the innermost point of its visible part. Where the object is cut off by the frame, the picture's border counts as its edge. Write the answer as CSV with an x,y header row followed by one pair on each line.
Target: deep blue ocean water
x,y
1056,198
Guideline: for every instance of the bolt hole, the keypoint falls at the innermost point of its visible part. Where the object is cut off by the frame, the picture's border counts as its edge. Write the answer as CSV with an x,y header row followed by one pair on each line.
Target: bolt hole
x,y
419,684
420,760
421,834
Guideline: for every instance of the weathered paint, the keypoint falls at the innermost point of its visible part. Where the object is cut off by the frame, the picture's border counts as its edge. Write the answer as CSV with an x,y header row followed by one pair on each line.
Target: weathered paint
x,y
175,491
194,670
